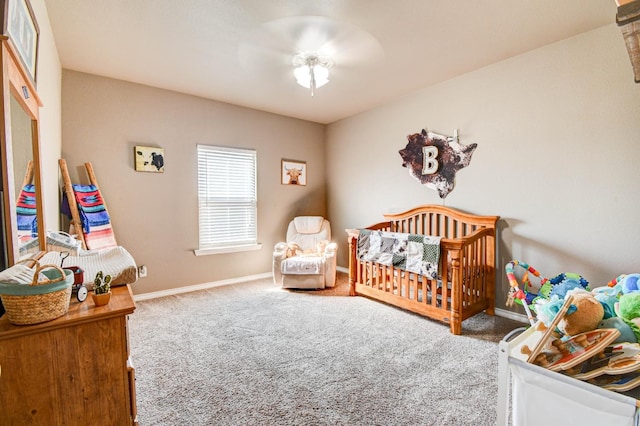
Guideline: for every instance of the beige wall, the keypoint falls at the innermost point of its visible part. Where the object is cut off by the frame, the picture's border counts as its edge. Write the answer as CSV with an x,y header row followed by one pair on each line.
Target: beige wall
x,y
558,134
155,215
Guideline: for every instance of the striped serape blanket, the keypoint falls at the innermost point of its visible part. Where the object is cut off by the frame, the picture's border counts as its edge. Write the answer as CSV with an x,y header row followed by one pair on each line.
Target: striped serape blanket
x,y
90,206
26,213
410,252
100,237
95,219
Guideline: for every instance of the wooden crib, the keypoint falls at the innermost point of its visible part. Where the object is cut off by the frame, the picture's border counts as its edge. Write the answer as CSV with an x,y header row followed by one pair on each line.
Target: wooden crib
x,y
466,283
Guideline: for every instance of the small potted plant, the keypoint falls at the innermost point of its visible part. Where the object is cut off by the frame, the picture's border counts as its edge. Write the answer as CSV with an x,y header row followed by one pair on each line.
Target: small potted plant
x,y
101,289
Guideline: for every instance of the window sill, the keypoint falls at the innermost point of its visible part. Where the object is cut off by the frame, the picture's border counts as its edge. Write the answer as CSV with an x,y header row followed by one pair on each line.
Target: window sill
x,y
232,249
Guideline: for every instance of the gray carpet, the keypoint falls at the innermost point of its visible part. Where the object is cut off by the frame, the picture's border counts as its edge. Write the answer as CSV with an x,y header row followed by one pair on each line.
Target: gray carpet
x,y
254,354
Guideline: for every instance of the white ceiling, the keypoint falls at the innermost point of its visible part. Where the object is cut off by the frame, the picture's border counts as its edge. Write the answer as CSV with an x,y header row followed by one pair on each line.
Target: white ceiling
x,y
239,51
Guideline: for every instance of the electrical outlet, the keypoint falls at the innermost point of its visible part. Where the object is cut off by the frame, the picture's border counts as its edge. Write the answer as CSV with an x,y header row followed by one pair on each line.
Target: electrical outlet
x,y
142,271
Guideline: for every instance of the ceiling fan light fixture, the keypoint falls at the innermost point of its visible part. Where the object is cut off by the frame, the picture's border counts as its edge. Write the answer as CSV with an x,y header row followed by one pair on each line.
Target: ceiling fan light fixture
x,y
311,70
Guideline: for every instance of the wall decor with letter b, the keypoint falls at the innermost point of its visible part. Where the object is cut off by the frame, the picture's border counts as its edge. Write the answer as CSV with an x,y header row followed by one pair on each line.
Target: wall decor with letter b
x,y
434,159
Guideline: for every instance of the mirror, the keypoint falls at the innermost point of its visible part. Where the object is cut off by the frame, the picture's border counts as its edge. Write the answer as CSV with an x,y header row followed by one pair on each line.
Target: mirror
x,y
19,148
26,211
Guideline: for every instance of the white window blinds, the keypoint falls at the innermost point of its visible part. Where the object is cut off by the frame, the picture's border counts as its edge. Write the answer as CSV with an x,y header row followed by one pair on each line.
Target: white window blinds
x,y
227,197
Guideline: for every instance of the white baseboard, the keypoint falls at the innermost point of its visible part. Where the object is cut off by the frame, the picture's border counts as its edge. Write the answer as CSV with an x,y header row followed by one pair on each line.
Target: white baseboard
x,y
512,315
196,287
204,286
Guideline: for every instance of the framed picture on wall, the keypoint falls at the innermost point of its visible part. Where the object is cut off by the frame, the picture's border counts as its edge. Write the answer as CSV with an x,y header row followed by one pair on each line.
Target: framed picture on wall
x,y
148,159
294,172
19,23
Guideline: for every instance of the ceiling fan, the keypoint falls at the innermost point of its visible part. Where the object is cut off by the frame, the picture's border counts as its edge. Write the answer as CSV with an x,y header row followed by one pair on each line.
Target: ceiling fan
x,y
308,47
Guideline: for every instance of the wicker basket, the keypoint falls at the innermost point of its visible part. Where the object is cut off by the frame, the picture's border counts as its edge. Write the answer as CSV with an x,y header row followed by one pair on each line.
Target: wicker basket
x,y
45,299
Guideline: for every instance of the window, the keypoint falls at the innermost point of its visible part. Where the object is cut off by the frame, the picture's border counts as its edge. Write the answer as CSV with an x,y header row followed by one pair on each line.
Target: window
x,y
227,202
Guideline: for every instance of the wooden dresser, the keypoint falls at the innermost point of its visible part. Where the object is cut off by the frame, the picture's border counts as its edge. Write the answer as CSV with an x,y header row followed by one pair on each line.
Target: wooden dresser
x,y
74,370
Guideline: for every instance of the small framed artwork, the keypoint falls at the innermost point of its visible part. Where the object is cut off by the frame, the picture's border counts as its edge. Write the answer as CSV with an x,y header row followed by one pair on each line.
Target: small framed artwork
x,y
294,172
19,23
148,159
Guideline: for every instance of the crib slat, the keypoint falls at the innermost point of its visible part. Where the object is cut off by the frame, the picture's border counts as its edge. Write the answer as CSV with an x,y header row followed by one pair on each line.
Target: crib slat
x,y
434,293
414,286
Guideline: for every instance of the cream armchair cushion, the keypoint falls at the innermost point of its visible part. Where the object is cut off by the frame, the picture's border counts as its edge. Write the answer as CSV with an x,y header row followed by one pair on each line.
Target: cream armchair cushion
x,y
307,259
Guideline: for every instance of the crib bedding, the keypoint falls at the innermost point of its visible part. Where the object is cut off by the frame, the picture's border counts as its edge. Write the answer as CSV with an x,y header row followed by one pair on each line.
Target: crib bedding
x,y
409,252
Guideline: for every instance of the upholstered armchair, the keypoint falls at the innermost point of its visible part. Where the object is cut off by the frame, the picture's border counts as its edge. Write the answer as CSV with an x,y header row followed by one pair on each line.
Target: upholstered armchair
x,y
307,259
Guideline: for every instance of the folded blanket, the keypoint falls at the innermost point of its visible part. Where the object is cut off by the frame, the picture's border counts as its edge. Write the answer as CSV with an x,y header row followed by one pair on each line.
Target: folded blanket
x,y
91,219
410,252
17,274
90,206
302,265
115,261
27,222
100,237
26,213
27,197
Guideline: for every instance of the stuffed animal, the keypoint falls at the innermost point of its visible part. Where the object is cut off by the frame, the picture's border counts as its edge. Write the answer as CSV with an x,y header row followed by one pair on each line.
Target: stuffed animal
x,y
608,297
628,308
630,283
322,246
293,249
626,332
621,306
584,313
587,316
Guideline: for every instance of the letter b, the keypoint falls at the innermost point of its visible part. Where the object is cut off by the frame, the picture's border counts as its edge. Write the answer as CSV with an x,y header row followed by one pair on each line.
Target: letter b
x,y
429,163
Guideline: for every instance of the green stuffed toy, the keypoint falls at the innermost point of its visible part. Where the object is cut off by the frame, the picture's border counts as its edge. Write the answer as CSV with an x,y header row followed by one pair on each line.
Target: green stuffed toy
x,y
628,308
